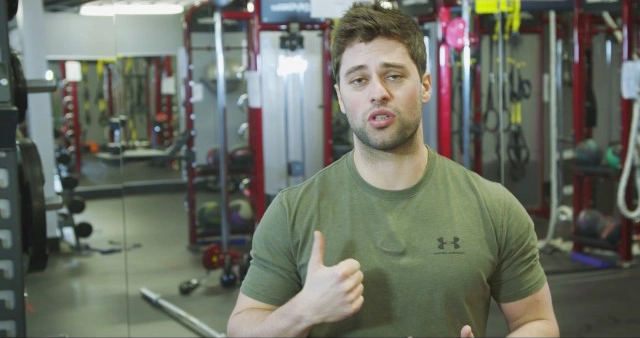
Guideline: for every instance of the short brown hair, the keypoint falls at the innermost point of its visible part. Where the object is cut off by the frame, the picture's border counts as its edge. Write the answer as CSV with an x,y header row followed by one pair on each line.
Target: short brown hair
x,y
365,22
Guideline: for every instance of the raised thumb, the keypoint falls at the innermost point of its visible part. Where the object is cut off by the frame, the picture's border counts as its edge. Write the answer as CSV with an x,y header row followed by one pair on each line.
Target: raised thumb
x,y
466,332
316,260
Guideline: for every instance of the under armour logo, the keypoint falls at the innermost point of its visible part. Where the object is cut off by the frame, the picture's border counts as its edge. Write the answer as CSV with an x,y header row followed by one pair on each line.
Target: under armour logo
x,y
454,243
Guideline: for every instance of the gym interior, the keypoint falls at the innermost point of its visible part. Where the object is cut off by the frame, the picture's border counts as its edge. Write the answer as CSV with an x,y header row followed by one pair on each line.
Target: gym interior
x,y
140,151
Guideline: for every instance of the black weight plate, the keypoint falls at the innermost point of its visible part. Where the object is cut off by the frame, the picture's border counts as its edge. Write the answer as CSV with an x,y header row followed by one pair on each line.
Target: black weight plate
x,y
13,9
76,205
33,206
19,83
69,183
83,229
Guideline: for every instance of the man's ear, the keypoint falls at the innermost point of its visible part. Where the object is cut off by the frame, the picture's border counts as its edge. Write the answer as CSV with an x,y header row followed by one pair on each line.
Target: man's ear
x,y
337,88
426,87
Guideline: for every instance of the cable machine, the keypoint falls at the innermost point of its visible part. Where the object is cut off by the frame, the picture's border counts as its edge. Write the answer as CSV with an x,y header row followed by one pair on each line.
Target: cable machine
x,y
287,59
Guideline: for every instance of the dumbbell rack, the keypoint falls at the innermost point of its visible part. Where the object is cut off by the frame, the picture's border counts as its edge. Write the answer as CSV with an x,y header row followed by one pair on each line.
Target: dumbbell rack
x,y
583,178
12,311
70,89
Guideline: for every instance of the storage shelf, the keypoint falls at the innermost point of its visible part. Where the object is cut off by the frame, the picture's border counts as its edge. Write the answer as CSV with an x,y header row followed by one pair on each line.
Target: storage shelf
x,y
599,171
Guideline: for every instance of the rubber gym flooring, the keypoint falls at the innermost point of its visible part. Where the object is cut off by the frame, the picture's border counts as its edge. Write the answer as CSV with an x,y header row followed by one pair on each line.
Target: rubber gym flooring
x,y
140,240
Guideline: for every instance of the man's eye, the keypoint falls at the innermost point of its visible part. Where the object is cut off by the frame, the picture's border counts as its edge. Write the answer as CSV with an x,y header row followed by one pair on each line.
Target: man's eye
x,y
394,77
358,81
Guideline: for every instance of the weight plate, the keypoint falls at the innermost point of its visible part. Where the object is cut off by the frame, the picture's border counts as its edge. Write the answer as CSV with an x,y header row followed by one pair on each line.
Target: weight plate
x,y
33,206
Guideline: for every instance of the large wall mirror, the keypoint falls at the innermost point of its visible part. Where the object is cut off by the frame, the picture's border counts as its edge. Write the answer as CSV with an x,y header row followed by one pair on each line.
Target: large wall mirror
x,y
136,141
158,124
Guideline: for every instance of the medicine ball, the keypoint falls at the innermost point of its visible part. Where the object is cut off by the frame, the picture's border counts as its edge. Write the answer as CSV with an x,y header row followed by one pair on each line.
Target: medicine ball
x,y
240,213
589,223
613,156
588,153
209,216
241,157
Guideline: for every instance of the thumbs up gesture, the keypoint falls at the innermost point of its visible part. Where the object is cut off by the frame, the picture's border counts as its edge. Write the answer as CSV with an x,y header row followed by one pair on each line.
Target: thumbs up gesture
x,y
466,332
334,292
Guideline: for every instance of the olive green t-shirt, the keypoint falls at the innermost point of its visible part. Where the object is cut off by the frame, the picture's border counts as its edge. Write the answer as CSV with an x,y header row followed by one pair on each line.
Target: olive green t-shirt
x,y
432,255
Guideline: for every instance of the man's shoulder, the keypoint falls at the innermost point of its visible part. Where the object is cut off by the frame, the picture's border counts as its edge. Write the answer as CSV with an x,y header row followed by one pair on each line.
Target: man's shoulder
x,y
324,179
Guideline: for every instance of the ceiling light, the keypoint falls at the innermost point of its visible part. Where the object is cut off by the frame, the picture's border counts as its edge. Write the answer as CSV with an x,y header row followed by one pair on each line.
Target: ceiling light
x,y
96,10
106,9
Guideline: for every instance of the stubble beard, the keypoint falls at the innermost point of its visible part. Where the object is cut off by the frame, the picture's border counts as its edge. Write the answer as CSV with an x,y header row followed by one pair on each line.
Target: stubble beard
x,y
405,132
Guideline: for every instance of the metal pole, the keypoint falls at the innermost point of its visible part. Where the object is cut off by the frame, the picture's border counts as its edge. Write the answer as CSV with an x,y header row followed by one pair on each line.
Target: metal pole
x,y
553,129
222,129
501,97
559,106
287,127
466,85
303,158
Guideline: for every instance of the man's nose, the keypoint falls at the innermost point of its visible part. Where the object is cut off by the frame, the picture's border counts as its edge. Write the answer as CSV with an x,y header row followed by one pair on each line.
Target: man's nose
x,y
378,91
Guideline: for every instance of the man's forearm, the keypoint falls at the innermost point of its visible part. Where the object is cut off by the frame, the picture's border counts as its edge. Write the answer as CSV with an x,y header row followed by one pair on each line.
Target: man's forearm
x,y
288,320
537,328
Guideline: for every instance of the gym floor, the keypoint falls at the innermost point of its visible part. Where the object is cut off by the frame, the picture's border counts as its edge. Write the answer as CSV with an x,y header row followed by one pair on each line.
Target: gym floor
x,y
140,240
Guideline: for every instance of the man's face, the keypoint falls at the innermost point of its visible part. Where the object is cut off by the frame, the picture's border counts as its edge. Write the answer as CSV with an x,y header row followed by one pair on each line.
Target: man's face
x,y
382,93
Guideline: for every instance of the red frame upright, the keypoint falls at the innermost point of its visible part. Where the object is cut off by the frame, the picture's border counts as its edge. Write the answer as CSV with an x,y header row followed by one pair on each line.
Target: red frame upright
x,y
444,86
443,17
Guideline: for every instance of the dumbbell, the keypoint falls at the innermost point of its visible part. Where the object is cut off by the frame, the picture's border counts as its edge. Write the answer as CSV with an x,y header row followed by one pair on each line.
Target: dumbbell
x,y
76,205
63,158
228,277
69,183
83,229
187,287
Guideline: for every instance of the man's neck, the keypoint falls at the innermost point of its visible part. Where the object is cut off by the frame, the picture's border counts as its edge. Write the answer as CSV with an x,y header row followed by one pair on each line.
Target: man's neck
x,y
389,170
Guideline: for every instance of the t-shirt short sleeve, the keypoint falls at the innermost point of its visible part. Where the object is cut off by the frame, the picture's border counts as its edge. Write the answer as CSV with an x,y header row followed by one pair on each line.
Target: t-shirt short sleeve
x,y
272,277
519,273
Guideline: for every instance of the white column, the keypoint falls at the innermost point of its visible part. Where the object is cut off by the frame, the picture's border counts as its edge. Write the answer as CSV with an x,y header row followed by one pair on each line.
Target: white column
x,y
31,28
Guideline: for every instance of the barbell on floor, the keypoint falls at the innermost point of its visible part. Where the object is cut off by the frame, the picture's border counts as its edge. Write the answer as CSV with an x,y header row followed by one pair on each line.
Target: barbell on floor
x,y
185,318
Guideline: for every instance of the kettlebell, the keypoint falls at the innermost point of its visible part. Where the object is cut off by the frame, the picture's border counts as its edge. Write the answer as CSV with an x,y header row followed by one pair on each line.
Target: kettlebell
x,y
612,156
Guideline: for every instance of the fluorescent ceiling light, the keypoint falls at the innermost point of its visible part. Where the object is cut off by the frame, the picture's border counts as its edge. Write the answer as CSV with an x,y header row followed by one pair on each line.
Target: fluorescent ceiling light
x,y
106,9
96,10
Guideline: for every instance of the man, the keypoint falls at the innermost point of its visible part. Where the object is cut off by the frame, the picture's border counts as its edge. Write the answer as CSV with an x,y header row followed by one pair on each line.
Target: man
x,y
392,239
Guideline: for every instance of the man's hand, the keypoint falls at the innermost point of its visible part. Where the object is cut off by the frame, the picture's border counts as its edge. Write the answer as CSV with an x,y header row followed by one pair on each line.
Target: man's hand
x,y
332,292
466,332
